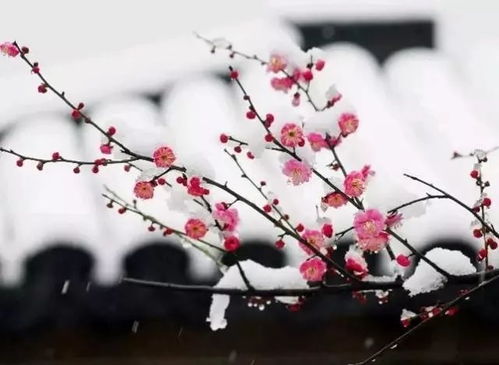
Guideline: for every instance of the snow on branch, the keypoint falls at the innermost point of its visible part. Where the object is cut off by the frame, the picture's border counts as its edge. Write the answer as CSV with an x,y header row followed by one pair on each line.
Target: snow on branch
x,y
426,279
305,137
260,277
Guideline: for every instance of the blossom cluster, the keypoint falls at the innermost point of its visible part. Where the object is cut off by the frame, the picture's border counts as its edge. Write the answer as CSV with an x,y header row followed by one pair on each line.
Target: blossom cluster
x,y
299,142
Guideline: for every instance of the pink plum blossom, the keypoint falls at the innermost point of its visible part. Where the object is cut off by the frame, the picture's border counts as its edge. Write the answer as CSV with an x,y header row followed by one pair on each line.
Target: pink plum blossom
x,y
313,269
355,263
164,157
297,171
356,181
317,141
333,95
313,238
334,200
282,83
291,135
9,49
367,172
143,190
354,184
348,123
194,187
228,218
369,228
195,228
394,220
276,63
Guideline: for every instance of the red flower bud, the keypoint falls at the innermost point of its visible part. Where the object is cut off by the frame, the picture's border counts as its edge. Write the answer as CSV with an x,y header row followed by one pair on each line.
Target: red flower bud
x,y
232,243
403,260
111,131
250,114
319,65
279,244
234,74
307,75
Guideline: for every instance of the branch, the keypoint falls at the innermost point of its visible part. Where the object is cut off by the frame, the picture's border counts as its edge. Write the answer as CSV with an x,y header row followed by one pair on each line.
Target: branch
x,y
277,223
281,148
260,190
322,290
60,159
418,200
457,201
418,254
115,199
464,296
62,95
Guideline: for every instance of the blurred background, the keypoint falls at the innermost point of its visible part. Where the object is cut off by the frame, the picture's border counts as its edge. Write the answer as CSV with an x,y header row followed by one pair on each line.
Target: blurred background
x,y
422,76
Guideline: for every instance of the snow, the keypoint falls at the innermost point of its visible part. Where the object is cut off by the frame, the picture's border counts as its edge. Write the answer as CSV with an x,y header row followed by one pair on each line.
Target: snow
x,y
419,104
407,314
260,277
426,279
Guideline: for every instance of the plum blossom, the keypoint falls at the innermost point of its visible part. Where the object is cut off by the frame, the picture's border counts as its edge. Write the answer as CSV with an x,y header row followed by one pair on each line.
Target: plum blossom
x,y
356,181
282,83
313,269
394,220
291,135
355,263
164,157
277,63
143,190
195,228
314,238
298,172
334,200
9,49
348,123
316,141
333,95
194,187
228,218
369,228
354,184
231,243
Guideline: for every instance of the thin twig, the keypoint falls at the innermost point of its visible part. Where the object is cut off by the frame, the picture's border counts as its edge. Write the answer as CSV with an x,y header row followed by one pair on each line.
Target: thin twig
x,y
464,296
457,201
